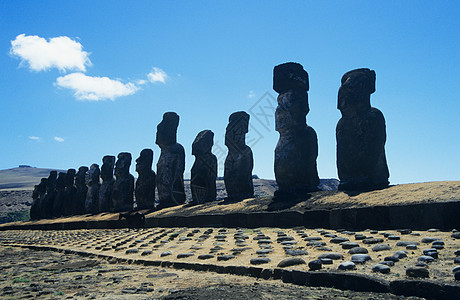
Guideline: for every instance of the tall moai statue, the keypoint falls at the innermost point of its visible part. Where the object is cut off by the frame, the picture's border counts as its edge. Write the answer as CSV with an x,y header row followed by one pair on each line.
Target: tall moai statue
x,y
361,135
105,191
38,195
204,169
171,163
297,148
48,200
239,162
82,191
58,204
92,196
145,184
69,206
123,187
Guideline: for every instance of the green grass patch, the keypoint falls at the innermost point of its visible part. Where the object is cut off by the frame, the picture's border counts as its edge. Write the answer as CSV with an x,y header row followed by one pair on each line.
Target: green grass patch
x,y
20,279
15,216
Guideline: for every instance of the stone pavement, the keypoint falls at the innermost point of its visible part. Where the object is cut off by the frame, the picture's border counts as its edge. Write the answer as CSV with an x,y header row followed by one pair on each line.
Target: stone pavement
x,y
377,261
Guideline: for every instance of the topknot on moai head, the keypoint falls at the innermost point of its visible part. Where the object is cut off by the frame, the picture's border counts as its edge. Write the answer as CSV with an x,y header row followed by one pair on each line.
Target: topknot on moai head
x,y
290,76
123,163
167,129
70,177
203,142
94,173
145,160
108,162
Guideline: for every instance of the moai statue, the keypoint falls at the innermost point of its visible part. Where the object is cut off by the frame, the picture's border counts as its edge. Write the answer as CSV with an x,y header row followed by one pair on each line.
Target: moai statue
x,y
48,200
171,164
123,187
58,204
361,135
204,169
145,184
239,162
92,196
82,190
105,191
297,148
69,207
38,196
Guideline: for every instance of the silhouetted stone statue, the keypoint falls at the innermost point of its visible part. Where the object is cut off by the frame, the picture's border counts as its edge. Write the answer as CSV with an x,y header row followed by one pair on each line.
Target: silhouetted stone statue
x,y
297,148
145,184
123,188
58,204
204,169
70,204
38,196
171,164
239,162
360,134
82,190
92,196
48,200
105,191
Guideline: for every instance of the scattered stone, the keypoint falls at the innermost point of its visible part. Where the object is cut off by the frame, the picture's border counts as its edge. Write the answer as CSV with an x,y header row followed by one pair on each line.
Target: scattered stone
x,y
360,258
400,254
456,235
358,250
359,237
425,258
372,241
293,261
146,252
205,256
163,254
296,252
381,247
393,237
264,251
324,249
326,261
406,243
330,235
387,262
313,238
417,272
391,258
131,251
428,240
411,247
404,231
225,257
431,252
433,230
457,252
348,265
259,260
315,264
457,260
381,268
421,264
316,244
332,255
349,245
338,240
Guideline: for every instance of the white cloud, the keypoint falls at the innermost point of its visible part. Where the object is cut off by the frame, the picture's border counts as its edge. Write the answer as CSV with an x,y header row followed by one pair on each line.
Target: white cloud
x,y
95,88
251,94
157,75
58,139
34,138
60,52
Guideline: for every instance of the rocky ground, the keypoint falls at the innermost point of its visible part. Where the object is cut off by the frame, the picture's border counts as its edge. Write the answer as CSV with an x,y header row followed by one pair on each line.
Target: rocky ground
x,y
389,256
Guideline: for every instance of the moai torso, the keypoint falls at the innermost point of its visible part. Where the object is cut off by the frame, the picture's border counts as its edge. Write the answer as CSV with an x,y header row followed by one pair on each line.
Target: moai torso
x,y
297,148
239,161
361,135
105,191
204,169
58,204
145,184
70,193
38,196
171,163
123,188
92,196
81,192
48,200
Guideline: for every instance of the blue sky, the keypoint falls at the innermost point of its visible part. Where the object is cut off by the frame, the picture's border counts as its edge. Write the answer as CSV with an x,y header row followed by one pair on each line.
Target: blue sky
x,y
83,79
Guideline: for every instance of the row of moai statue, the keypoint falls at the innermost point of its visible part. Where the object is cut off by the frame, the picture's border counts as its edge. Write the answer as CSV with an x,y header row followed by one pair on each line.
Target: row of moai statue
x,y
361,161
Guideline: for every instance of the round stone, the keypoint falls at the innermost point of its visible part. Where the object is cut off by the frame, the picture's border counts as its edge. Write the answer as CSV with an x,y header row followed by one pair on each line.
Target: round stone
x,y
400,254
457,252
387,262
372,241
425,258
326,261
205,256
421,264
165,254
384,269
315,265
295,252
411,247
391,258
394,237
406,243
330,235
185,255
316,244
456,235
332,255
338,240
456,269
358,250
260,260
359,237
313,238
284,238
428,240
457,260
381,247
347,265
438,247
438,243
132,251
324,249
225,257
360,258
292,261
264,251
349,245
417,272
146,252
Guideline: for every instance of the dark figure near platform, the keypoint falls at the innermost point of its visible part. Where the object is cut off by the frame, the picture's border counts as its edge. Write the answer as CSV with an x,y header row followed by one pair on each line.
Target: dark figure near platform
x,y
171,163
123,188
145,184
239,162
92,196
134,219
48,200
82,191
105,191
204,169
361,135
297,148
58,204
69,206
38,195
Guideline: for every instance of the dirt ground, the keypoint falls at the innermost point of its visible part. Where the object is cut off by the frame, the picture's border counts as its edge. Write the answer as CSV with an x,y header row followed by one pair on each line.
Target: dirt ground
x,y
49,275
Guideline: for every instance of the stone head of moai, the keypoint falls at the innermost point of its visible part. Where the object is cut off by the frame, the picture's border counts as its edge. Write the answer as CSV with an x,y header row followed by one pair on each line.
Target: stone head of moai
x,y
290,80
355,91
94,174
122,165
51,182
235,133
60,181
70,177
80,177
108,163
203,143
144,161
167,130
42,186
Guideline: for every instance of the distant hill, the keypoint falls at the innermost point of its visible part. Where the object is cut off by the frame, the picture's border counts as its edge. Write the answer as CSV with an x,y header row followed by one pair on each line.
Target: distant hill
x,y
23,177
